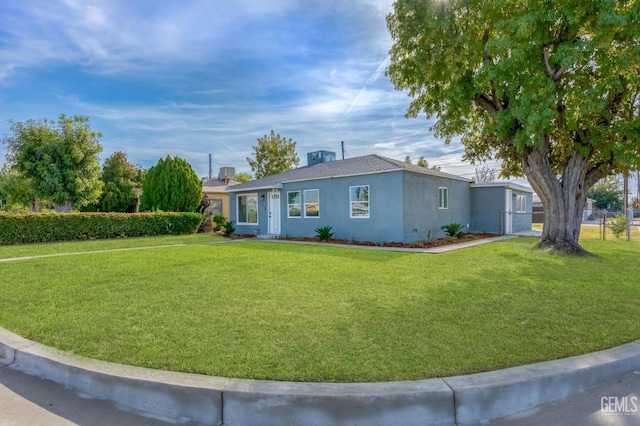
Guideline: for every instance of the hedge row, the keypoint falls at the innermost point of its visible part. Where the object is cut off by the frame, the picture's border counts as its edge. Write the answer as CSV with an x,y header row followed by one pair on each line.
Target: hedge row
x,y
46,227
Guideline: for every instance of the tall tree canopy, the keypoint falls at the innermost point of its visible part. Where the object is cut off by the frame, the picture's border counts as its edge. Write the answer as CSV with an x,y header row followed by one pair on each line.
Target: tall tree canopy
x,y
121,181
171,185
550,88
60,158
273,154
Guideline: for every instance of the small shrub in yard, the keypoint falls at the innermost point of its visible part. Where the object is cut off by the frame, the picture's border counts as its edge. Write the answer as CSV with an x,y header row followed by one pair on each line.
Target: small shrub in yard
x,y
219,220
229,228
324,233
453,230
617,225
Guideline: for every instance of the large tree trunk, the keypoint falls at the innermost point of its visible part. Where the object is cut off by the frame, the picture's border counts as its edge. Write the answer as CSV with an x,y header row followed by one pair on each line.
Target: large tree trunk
x,y
563,197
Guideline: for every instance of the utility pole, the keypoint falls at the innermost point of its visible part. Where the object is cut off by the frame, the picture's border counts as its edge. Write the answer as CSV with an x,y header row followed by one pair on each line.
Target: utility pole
x,y
342,144
210,170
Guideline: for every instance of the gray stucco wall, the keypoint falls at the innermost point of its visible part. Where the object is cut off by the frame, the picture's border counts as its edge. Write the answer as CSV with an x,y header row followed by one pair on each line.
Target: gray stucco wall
x,y
422,213
486,207
385,214
522,221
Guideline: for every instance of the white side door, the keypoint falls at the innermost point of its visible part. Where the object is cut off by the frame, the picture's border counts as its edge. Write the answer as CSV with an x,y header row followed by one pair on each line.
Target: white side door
x,y
508,212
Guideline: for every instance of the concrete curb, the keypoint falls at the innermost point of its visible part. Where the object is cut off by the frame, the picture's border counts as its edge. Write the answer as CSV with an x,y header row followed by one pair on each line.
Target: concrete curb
x,y
199,399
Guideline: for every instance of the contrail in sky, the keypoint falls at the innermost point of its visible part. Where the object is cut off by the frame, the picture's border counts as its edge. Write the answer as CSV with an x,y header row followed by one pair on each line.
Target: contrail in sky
x,y
378,72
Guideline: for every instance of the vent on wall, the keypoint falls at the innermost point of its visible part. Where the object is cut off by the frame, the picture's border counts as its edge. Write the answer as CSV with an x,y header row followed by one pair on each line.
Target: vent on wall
x,y
320,157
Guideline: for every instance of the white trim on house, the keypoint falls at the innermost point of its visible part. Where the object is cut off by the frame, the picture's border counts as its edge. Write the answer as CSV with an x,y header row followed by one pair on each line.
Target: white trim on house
x,y
507,185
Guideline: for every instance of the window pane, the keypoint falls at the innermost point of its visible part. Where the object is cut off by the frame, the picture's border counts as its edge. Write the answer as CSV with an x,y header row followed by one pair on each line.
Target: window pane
x,y
294,197
252,208
359,193
311,203
242,208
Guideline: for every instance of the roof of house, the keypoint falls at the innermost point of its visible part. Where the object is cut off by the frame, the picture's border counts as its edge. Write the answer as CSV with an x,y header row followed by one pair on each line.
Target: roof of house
x,y
368,164
504,184
216,185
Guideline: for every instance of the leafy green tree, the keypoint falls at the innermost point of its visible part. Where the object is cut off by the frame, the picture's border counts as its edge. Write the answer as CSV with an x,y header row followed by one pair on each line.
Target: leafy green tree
x,y
607,193
273,154
59,158
243,177
549,88
121,182
171,185
17,192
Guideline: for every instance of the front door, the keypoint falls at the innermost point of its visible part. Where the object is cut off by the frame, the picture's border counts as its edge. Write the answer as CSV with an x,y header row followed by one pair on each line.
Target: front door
x,y
274,213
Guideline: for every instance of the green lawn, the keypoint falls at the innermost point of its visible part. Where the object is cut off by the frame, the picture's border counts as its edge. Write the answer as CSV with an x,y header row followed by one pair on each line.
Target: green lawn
x,y
111,244
269,310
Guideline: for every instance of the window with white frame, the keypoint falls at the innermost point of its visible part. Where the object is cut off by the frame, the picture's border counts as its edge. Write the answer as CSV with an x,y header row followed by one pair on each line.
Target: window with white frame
x,y
311,203
359,201
247,209
443,197
521,204
294,204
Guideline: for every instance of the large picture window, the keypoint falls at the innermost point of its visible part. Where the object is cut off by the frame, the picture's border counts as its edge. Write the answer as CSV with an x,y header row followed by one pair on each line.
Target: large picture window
x,y
443,197
248,209
521,204
311,203
294,204
359,201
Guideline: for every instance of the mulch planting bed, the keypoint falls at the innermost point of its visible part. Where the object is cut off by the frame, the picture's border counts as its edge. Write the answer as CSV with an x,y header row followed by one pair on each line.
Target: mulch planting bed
x,y
416,244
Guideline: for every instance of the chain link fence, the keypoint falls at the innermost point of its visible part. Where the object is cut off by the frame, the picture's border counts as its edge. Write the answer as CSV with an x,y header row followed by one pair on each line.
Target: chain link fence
x,y
604,225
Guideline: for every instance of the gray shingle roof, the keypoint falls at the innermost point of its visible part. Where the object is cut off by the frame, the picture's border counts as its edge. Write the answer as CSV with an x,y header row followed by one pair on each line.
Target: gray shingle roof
x,y
367,164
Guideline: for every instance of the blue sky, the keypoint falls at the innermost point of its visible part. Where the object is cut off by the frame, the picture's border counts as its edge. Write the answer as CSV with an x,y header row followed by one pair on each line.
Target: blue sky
x,y
192,78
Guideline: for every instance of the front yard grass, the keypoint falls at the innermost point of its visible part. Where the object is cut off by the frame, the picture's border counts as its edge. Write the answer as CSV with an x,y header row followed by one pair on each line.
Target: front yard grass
x,y
278,311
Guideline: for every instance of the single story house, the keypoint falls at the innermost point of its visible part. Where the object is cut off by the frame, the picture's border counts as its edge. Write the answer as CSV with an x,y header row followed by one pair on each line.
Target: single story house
x,y
374,198
214,190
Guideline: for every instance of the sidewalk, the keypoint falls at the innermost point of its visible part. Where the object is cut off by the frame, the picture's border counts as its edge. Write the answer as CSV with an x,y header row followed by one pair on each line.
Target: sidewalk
x,y
29,400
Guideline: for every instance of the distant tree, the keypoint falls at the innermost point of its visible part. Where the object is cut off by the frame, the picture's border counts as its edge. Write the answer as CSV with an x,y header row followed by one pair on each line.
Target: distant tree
x,y
17,192
171,185
243,177
422,162
549,88
607,193
121,180
485,174
635,203
59,158
273,154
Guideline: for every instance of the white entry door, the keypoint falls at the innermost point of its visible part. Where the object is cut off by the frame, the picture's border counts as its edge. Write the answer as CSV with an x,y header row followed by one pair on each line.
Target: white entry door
x,y
274,213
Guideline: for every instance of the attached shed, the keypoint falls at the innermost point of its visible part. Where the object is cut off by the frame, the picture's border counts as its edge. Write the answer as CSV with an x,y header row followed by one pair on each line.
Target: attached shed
x,y
501,207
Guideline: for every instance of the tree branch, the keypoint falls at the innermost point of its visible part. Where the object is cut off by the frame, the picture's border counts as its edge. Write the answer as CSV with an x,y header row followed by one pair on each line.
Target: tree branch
x,y
484,102
553,74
